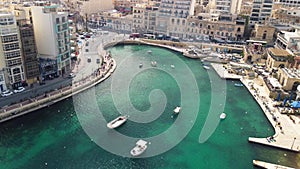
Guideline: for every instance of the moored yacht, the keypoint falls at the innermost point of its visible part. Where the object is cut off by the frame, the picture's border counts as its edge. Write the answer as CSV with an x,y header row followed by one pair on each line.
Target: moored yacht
x,y
117,122
238,85
222,116
140,147
177,110
153,63
206,67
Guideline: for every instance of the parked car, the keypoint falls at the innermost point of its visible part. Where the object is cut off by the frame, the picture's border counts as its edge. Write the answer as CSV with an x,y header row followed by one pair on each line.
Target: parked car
x,y
6,93
72,75
19,90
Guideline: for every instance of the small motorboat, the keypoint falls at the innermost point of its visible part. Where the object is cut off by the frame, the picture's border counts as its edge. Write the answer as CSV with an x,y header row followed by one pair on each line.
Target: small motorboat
x,y
149,51
177,110
117,122
206,67
238,85
141,65
172,66
222,116
140,147
153,63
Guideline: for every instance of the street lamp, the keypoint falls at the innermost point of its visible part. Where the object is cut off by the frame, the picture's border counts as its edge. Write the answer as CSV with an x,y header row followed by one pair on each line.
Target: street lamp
x,y
293,142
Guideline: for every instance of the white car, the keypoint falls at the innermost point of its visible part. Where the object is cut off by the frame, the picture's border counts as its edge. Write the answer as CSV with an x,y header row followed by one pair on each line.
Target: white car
x,y
72,75
19,90
6,93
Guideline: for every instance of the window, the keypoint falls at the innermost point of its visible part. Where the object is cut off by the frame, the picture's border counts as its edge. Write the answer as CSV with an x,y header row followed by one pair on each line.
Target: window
x,y
11,46
9,38
264,36
57,20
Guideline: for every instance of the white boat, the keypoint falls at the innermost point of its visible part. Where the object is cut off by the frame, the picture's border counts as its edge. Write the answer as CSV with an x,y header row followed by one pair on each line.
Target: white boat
x,y
117,122
139,148
222,116
177,109
172,66
149,51
206,67
238,85
154,63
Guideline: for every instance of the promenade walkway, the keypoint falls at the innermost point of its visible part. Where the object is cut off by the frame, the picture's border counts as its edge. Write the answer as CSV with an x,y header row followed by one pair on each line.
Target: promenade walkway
x,y
223,73
287,133
269,165
58,95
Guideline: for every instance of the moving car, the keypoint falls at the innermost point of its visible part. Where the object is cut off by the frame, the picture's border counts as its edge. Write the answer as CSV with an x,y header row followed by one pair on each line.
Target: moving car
x,y
6,93
19,90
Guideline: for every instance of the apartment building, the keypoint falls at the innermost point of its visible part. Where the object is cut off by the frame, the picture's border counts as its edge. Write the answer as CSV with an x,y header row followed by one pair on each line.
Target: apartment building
x,y
286,15
172,15
11,63
54,46
144,18
261,11
138,18
226,27
228,6
29,52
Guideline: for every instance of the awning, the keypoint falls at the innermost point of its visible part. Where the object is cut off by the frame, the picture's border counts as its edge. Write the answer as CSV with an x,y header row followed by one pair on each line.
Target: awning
x,y
296,104
274,82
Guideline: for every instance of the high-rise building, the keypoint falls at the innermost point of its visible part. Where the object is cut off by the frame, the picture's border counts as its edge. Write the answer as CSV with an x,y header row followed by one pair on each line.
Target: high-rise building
x,y
261,11
52,36
29,51
31,63
11,63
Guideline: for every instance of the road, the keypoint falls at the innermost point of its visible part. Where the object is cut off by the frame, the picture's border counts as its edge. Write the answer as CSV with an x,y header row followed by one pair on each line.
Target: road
x,y
82,70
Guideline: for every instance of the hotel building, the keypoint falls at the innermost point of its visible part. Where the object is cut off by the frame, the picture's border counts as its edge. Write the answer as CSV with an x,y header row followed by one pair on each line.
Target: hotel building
x,y
52,35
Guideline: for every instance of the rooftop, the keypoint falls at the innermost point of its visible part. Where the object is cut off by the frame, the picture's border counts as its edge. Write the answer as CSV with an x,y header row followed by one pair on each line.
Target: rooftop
x,y
278,52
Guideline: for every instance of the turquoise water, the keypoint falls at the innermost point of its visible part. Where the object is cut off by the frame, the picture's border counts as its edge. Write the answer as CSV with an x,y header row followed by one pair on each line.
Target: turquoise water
x,y
54,138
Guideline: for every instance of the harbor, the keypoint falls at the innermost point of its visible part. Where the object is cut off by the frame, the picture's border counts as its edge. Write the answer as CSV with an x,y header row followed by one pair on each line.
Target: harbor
x,y
59,124
286,133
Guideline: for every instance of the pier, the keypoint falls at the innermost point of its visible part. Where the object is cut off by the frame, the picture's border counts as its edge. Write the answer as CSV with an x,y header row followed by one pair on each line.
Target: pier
x,y
223,73
287,134
269,165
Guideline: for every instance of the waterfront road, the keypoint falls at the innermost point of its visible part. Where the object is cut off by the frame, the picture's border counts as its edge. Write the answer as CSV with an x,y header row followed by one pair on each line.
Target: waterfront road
x,y
35,91
88,64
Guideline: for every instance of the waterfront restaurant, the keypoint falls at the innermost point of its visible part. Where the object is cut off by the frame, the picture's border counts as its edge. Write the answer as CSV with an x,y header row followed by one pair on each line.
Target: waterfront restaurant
x,y
276,58
289,79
